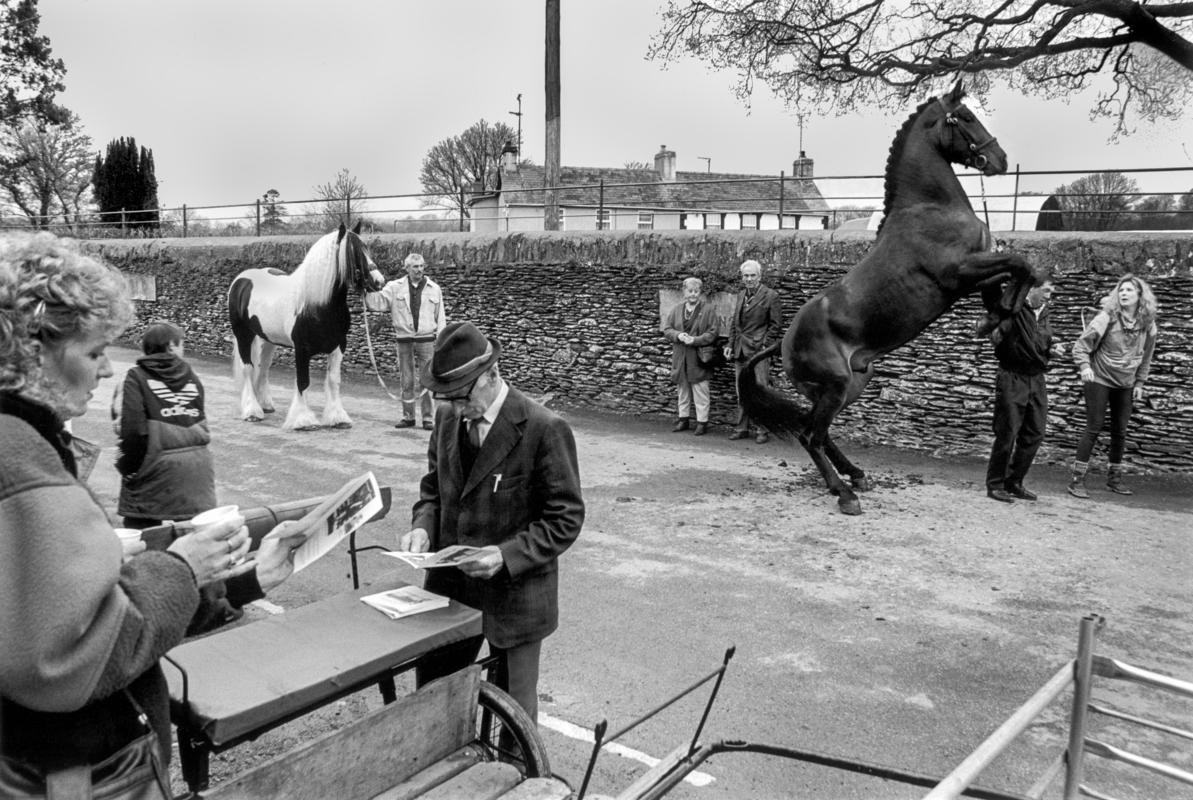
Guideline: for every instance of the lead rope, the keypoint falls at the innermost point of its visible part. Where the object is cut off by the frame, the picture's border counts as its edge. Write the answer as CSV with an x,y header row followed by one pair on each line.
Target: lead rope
x,y
985,210
372,359
364,315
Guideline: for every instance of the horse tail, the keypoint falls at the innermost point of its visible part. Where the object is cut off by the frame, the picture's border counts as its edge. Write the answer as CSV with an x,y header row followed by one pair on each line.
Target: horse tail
x,y
769,407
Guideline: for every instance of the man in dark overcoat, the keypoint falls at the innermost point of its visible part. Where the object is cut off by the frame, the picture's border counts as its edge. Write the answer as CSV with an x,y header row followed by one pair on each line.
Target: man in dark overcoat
x,y
502,476
757,321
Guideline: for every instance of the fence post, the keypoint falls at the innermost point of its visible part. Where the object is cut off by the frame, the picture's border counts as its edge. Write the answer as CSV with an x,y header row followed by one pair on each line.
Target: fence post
x,y
601,207
1082,674
348,210
461,209
781,175
1015,200
258,202
184,220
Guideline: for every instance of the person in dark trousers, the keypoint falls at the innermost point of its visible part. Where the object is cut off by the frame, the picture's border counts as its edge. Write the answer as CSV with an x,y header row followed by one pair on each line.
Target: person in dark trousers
x,y
1023,347
1114,357
503,477
757,321
166,470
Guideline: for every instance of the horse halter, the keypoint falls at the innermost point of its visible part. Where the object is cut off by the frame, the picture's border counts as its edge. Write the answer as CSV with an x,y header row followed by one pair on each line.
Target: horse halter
x,y
977,158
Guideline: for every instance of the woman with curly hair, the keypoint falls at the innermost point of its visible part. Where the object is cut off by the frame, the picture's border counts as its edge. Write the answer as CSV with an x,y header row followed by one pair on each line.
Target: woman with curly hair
x,y
1114,356
83,622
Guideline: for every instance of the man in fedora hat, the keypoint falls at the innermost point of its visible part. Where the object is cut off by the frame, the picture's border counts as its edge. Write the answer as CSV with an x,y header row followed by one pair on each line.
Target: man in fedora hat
x,y
502,477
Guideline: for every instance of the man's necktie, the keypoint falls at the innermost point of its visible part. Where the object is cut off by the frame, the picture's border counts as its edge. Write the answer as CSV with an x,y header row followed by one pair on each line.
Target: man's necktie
x,y
474,433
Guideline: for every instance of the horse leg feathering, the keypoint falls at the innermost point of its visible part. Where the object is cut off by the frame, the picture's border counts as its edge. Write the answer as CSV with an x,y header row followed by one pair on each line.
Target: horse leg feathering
x,y
334,415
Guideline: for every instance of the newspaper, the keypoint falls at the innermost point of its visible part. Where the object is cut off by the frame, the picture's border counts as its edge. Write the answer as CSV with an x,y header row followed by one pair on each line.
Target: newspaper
x,y
405,601
447,557
337,516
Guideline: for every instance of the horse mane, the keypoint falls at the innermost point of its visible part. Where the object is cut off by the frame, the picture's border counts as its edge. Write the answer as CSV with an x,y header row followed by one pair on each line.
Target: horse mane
x,y
896,152
318,274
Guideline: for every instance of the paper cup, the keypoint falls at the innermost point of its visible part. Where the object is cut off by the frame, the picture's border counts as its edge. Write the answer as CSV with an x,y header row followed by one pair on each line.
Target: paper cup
x,y
128,534
216,516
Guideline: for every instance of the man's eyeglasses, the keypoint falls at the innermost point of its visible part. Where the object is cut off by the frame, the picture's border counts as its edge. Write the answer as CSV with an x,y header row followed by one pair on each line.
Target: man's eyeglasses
x,y
451,398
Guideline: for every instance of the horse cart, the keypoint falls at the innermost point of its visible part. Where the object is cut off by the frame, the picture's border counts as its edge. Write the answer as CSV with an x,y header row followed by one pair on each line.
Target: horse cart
x,y
461,737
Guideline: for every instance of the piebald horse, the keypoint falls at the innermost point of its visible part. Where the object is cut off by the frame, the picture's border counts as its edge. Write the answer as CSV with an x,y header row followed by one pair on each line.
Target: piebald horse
x,y
931,250
306,310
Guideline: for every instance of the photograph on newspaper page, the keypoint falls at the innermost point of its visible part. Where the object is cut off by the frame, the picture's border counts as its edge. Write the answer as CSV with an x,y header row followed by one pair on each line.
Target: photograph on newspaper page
x,y
337,516
451,556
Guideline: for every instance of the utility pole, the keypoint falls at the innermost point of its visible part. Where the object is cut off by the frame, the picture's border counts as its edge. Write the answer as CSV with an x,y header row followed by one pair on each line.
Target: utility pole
x,y
551,210
518,114
707,161
800,119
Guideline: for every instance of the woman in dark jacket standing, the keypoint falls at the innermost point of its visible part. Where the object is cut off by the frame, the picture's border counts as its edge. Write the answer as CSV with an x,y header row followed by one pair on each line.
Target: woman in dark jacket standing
x,y
83,626
690,326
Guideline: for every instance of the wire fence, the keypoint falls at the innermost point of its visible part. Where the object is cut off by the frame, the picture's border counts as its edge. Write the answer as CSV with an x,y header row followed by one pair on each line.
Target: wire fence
x,y
737,203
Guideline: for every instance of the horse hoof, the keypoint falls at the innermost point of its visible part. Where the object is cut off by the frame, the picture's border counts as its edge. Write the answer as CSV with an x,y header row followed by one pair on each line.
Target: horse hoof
x,y
341,425
850,507
252,418
268,409
861,484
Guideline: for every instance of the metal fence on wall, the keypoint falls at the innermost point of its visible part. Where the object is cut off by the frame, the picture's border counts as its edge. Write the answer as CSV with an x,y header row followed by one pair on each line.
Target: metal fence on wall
x,y
838,198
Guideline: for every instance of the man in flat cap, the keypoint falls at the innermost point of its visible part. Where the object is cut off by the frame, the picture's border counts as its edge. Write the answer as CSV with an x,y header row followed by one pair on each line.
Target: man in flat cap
x,y
503,477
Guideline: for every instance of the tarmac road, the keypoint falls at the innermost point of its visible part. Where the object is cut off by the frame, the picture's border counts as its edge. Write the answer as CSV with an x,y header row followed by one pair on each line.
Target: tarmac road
x,y
901,637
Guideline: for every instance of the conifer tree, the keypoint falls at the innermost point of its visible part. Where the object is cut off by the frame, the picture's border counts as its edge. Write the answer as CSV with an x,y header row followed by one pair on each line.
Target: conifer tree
x,y
125,181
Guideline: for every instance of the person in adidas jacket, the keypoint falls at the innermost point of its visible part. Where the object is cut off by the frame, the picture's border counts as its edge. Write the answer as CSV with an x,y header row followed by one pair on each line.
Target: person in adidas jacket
x,y
166,469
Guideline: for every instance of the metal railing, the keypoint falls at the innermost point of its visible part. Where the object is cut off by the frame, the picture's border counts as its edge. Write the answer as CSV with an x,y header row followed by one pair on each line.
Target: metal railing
x,y
737,203
1078,674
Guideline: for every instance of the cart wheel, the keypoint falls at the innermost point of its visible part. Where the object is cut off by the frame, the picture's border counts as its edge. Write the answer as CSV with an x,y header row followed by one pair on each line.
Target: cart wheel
x,y
506,733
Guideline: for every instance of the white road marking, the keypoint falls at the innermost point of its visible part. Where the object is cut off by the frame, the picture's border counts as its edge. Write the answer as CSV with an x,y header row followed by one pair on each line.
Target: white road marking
x,y
584,735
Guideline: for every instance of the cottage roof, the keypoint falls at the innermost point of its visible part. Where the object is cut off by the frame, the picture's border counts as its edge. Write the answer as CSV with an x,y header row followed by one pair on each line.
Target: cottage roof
x,y
644,189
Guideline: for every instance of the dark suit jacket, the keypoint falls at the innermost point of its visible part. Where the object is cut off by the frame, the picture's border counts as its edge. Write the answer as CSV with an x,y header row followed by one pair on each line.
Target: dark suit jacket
x,y
754,323
533,512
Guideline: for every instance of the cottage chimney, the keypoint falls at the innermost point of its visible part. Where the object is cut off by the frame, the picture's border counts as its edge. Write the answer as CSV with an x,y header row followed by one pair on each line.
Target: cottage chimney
x,y
664,163
802,166
509,158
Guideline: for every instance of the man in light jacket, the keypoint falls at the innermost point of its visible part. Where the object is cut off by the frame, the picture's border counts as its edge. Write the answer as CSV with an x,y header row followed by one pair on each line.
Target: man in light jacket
x,y
416,307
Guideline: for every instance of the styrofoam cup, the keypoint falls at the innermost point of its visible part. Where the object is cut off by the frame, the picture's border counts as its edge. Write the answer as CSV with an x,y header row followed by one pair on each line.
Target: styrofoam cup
x,y
128,534
216,516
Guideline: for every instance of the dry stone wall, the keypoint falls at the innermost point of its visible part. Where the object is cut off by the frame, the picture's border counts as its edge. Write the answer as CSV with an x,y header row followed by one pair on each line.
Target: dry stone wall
x,y
578,318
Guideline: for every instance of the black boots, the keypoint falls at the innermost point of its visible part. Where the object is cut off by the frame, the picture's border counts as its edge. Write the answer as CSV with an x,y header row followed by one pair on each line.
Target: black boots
x,y
680,425
1114,480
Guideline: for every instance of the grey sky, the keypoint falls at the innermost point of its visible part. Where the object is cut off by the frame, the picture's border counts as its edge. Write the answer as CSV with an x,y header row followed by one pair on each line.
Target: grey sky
x,y
239,96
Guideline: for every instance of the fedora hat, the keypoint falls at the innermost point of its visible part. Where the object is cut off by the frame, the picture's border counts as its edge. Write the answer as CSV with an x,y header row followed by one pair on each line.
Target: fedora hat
x,y
462,354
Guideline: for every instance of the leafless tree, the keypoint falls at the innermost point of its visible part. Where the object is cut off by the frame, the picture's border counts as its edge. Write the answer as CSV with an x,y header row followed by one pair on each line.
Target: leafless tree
x,y
341,197
1097,201
839,57
48,170
468,162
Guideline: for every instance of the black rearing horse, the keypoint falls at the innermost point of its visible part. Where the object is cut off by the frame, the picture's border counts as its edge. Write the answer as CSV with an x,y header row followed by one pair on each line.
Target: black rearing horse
x,y
930,251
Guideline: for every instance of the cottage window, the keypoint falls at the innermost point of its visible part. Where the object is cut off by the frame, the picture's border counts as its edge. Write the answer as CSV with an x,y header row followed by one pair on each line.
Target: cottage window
x,y
749,222
604,219
714,221
645,221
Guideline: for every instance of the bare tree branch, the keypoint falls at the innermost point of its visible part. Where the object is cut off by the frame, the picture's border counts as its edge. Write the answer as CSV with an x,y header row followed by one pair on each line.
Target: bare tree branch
x,y
837,57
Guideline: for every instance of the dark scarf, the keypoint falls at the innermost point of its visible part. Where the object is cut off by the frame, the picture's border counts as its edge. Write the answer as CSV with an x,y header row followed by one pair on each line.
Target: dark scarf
x,y
416,300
